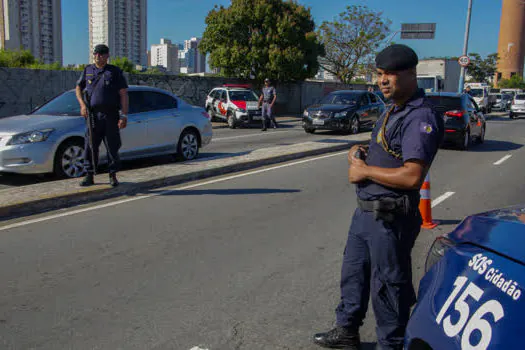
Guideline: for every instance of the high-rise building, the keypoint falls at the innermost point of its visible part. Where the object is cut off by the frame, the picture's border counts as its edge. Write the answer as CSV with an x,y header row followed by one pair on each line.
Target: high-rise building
x,y
511,43
34,25
191,60
165,55
120,24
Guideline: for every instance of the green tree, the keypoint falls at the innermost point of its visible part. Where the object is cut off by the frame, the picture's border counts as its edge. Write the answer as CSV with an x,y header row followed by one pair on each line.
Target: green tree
x,y
482,69
515,82
262,38
123,63
16,58
351,40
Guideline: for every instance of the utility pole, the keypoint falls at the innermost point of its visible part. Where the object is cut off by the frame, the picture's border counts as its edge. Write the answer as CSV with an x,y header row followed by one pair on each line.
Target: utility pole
x,y
465,47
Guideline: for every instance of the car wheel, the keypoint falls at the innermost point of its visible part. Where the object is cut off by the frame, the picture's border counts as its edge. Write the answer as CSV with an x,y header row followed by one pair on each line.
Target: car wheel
x,y
466,141
355,125
511,115
69,160
188,146
481,137
231,121
309,130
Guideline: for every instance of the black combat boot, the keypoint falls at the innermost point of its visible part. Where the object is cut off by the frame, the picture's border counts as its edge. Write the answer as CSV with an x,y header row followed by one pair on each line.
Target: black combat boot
x,y
113,180
339,338
88,180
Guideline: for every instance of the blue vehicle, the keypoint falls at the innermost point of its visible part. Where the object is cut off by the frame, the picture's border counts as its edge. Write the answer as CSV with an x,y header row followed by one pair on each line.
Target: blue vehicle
x,y
472,295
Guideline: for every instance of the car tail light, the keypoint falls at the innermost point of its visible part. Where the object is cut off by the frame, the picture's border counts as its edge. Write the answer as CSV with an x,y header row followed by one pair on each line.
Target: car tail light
x,y
206,115
456,113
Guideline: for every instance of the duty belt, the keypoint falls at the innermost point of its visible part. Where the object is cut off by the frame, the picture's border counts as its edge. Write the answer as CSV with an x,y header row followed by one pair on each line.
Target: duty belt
x,y
386,208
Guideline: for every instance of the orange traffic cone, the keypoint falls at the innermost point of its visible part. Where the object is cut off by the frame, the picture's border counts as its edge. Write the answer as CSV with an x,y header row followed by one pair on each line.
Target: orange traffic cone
x,y
425,205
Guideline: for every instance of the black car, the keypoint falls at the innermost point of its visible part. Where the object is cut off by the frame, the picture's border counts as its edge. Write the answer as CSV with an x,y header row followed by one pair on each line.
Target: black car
x,y
464,121
347,111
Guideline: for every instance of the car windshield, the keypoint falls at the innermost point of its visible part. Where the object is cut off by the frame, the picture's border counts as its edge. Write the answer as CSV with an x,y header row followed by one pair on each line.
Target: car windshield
x,y
498,96
65,104
520,97
476,92
247,95
340,99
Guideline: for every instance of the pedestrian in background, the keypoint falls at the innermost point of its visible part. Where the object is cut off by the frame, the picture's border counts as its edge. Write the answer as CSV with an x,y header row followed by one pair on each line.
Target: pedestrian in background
x,y
106,90
388,175
267,100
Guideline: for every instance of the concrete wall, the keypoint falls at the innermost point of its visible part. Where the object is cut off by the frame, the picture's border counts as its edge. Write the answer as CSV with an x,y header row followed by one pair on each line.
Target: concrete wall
x,y
23,89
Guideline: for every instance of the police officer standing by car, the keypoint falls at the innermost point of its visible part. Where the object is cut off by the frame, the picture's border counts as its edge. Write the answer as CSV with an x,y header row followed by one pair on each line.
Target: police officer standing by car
x,y
267,99
388,175
103,89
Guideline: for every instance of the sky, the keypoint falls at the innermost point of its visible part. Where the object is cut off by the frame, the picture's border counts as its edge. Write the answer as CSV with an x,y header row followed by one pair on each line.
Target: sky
x,y
180,20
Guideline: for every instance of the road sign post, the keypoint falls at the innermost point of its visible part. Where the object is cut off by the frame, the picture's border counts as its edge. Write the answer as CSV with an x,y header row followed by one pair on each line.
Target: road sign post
x,y
465,47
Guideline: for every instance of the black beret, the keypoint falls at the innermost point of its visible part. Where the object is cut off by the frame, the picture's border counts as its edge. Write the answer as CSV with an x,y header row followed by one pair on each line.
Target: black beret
x,y
396,57
101,49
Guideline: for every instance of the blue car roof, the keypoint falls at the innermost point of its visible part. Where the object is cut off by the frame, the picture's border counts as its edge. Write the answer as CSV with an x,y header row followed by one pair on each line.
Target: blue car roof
x,y
501,230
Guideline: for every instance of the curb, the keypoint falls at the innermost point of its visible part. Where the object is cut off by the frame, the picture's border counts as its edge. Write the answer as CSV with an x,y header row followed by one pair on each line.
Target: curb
x,y
102,192
225,125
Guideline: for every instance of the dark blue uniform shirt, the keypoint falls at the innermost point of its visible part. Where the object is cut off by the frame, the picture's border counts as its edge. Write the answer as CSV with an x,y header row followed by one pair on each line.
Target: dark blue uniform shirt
x,y
103,86
414,132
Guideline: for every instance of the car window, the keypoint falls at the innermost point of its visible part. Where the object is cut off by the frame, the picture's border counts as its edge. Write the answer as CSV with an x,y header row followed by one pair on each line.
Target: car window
x,y
64,104
136,102
212,93
373,98
520,97
161,101
243,95
477,92
340,99
223,95
445,103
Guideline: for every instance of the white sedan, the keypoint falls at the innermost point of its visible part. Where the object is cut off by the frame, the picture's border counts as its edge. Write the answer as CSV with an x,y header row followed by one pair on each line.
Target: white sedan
x,y
51,138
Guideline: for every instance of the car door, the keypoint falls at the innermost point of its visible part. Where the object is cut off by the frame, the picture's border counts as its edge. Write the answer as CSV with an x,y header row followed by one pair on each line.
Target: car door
x,y
365,111
474,118
222,104
133,137
163,121
374,108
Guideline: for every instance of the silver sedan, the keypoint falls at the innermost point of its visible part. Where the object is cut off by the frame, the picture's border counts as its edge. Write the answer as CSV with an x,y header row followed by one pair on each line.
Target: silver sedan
x,y
51,138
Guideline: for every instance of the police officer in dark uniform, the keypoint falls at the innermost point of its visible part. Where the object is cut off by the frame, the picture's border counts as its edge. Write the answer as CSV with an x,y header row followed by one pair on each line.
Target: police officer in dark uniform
x,y
388,175
106,89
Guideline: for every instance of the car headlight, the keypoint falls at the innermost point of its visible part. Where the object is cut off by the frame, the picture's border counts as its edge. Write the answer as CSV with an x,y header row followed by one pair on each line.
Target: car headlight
x,y
437,251
30,137
340,115
241,110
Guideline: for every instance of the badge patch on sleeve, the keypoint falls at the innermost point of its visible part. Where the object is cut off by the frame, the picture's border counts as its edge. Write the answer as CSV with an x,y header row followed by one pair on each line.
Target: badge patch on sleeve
x,y
426,128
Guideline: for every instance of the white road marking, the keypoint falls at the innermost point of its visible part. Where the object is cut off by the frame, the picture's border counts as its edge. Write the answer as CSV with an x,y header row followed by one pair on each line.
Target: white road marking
x,y
442,198
198,348
503,159
227,178
252,135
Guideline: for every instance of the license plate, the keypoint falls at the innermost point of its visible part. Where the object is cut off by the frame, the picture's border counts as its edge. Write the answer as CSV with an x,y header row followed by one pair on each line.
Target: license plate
x,y
318,122
257,117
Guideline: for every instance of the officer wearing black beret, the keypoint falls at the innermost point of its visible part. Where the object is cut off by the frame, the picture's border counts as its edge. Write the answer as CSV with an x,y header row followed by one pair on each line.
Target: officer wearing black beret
x,y
106,91
388,175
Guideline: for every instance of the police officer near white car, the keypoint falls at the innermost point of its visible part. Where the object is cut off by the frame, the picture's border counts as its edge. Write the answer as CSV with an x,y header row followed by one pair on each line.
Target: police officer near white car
x,y
267,100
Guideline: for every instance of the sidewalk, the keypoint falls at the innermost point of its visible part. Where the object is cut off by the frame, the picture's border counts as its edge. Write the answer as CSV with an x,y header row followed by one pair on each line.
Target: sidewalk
x,y
280,119
38,198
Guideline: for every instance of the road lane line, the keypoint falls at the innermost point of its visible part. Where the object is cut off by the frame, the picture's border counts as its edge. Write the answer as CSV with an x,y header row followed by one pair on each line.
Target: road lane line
x,y
503,159
115,203
442,198
252,135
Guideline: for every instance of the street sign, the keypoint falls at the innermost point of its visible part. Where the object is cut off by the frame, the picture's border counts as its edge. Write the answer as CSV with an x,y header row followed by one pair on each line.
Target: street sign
x,y
418,30
464,61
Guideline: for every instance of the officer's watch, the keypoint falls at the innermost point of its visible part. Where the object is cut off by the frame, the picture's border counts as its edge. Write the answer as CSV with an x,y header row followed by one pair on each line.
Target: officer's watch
x,y
123,116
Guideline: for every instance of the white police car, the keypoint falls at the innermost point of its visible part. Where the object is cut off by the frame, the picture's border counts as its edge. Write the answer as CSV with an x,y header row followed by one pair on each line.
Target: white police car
x,y
235,104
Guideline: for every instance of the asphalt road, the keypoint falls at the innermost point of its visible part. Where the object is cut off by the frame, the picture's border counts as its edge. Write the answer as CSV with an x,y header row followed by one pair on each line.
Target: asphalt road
x,y
249,261
225,143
